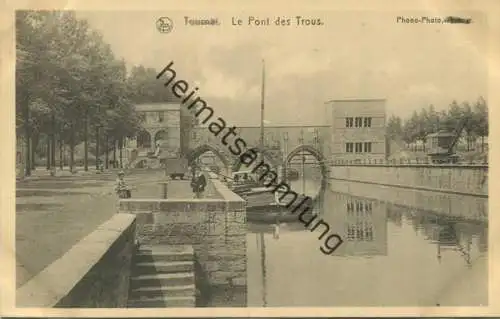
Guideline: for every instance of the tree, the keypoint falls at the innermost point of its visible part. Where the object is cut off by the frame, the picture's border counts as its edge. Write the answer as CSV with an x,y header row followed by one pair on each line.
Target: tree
x,y
422,126
64,73
31,36
145,88
469,123
432,120
481,120
410,128
454,116
394,128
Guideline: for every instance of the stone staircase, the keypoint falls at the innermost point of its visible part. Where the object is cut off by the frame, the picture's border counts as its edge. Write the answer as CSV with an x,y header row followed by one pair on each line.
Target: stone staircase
x,y
163,276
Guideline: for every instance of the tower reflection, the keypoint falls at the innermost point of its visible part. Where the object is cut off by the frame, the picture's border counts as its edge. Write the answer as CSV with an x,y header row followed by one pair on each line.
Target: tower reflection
x,y
361,222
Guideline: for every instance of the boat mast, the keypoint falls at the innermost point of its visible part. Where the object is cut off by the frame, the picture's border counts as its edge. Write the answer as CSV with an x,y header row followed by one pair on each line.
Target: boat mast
x,y
262,106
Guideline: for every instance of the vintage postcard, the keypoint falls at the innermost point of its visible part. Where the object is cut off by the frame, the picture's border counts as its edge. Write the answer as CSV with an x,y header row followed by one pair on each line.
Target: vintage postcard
x,y
248,158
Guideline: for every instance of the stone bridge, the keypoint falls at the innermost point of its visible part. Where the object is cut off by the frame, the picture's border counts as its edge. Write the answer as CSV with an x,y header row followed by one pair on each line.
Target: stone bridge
x,y
282,145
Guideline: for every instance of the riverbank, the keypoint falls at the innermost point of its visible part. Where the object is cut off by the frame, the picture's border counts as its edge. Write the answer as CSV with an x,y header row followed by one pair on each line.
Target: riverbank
x,y
470,180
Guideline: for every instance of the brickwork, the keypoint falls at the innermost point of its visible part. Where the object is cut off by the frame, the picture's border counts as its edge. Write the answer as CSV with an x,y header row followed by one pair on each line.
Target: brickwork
x,y
216,228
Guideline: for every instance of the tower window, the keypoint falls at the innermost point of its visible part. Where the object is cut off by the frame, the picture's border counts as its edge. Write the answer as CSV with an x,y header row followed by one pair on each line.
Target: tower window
x,y
368,147
349,147
359,147
367,122
349,121
358,122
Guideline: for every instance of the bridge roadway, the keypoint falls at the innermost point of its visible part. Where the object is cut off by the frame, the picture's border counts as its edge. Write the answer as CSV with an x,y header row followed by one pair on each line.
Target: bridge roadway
x,y
281,144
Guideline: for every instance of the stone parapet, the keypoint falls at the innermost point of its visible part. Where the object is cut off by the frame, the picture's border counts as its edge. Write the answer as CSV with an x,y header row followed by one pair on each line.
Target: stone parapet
x,y
92,274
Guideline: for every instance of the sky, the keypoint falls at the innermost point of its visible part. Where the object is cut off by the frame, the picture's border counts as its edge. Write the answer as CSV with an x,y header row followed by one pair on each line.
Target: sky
x,y
354,54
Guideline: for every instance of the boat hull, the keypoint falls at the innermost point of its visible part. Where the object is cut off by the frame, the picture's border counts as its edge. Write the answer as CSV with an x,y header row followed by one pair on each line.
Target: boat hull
x,y
269,215
243,189
262,207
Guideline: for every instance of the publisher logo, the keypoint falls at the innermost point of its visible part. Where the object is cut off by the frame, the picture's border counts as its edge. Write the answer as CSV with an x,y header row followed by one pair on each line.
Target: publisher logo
x,y
164,25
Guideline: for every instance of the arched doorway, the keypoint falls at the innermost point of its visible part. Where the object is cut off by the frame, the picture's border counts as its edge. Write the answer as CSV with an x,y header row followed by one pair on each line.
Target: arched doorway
x,y
143,139
161,136
193,155
309,161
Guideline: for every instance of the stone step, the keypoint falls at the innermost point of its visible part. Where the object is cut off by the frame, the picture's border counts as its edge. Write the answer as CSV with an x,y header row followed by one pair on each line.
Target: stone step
x,y
164,253
166,248
163,267
162,302
170,291
158,280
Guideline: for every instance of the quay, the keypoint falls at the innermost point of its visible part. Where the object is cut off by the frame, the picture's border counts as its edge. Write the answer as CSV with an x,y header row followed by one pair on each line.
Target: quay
x,y
164,248
169,251
184,252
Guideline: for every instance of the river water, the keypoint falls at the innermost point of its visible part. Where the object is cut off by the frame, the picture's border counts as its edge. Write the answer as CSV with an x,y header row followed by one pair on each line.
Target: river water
x,y
392,255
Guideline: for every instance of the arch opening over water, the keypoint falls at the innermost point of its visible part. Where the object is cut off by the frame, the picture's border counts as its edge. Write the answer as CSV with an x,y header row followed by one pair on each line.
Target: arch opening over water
x,y
195,154
304,153
263,155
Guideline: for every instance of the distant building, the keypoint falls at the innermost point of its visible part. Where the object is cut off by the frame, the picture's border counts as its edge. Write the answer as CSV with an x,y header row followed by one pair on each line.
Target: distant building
x,y
357,129
165,125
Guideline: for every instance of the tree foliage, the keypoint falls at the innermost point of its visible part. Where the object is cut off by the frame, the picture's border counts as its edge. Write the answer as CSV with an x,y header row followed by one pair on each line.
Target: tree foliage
x,y
428,120
69,84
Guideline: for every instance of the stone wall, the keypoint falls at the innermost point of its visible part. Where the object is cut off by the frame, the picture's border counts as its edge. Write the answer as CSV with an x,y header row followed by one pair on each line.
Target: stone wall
x,y
216,228
446,204
92,274
454,179
211,190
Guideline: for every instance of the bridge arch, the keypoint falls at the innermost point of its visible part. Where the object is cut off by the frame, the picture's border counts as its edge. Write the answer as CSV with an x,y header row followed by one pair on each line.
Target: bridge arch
x,y
193,154
265,152
314,152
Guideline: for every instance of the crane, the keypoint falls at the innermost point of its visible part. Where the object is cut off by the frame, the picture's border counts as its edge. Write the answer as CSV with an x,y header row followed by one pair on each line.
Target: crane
x,y
441,147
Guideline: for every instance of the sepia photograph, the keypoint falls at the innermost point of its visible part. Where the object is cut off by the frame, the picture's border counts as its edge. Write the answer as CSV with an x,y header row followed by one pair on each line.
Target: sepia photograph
x,y
251,158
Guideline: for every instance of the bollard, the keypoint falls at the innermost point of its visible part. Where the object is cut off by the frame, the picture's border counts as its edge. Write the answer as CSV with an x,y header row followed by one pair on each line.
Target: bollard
x,y
163,190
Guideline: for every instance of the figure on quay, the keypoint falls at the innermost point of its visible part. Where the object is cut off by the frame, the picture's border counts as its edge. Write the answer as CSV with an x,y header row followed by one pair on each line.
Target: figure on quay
x,y
276,228
121,188
198,183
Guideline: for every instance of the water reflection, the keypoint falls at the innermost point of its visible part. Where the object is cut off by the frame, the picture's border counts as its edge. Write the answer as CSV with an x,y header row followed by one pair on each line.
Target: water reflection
x,y
391,256
362,224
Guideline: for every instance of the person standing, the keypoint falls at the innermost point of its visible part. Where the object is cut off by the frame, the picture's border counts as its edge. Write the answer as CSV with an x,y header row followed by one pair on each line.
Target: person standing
x,y
276,228
121,188
198,184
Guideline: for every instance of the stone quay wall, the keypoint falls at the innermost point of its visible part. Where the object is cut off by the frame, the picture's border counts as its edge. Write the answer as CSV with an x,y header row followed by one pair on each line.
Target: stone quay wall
x,y
215,227
94,273
458,206
453,179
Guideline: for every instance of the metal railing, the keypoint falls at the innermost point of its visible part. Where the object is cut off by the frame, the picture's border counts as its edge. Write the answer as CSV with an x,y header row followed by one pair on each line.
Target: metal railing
x,y
406,162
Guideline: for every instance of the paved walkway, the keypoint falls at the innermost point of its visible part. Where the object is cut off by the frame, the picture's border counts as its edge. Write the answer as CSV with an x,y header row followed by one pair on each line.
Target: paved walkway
x,y
54,213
